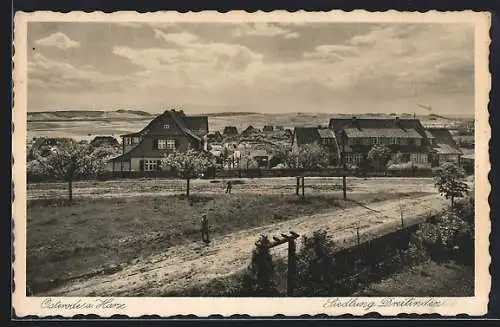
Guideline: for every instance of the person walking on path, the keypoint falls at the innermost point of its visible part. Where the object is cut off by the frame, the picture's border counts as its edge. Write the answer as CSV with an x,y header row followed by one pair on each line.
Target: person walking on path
x,y
204,229
229,187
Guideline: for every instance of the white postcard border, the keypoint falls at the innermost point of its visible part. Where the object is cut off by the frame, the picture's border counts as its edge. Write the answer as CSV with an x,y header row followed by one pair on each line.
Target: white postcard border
x,y
202,307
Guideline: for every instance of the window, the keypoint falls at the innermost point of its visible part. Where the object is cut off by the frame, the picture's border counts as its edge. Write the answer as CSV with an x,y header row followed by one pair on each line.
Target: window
x,y
136,140
166,126
171,144
353,158
357,141
127,141
411,141
404,141
419,158
393,140
163,144
418,142
365,141
150,165
374,140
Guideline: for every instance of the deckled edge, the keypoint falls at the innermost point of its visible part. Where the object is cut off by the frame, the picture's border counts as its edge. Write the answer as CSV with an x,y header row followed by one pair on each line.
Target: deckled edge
x,y
19,19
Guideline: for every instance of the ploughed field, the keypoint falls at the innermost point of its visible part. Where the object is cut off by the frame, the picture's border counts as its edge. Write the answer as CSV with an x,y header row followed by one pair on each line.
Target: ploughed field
x,y
118,224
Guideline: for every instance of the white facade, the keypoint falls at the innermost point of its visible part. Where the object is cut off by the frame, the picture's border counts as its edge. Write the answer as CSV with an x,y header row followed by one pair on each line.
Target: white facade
x,y
419,158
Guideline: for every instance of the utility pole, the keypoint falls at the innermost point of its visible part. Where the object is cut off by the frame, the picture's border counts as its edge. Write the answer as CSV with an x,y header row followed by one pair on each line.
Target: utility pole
x,y
344,181
357,233
401,214
292,260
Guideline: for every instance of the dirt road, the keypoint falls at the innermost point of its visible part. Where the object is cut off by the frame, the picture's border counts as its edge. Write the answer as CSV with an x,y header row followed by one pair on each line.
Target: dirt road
x,y
183,266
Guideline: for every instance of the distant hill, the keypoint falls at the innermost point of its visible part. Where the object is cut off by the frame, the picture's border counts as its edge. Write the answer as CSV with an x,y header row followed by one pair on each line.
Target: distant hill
x,y
86,115
233,113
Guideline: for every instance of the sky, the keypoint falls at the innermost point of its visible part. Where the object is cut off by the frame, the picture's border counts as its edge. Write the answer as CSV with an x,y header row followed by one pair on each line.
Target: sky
x,y
259,67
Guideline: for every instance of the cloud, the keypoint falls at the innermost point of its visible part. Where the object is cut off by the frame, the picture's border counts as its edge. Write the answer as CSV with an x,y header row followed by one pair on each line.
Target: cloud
x,y
330,52
402,59
58,40
376,66
183,38
145,24
131,24
189,61
292,35
57,75
264,29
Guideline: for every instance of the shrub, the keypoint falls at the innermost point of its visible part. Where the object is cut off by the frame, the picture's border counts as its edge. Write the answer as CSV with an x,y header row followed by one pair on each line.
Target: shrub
x,y
452,235
258,279
315,264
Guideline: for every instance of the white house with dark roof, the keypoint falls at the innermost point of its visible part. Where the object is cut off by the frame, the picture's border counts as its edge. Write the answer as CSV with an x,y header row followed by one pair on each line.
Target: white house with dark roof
x,y
170,131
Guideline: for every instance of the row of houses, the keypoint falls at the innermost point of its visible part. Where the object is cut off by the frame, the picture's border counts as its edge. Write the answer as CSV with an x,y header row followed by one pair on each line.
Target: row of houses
x,y
344,137
354,137
233,131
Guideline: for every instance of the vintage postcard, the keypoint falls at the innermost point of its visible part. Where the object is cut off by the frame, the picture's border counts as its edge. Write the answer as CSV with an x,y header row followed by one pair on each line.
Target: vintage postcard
x,y
251,163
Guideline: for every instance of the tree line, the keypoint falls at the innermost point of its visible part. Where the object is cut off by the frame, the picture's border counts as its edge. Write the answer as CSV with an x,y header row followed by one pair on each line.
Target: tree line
x,y
70,159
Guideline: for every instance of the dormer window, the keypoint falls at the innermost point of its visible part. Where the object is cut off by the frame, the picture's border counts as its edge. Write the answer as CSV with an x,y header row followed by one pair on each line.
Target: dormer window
x,y
166,126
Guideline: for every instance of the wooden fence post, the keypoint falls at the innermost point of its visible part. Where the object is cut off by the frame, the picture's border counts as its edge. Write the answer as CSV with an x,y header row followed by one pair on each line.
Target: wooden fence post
x,y
291,267
297,185
292,260
303,186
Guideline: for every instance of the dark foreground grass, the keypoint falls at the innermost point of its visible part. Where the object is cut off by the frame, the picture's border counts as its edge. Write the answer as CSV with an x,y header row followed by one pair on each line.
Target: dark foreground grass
x,y
426,279
68,241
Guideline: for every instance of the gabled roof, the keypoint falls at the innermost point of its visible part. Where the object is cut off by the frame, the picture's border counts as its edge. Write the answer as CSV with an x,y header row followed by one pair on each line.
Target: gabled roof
x,y
326,133
306,135
181,120
446,149
230,130
444,142
197,124
375,123
429,135
382,132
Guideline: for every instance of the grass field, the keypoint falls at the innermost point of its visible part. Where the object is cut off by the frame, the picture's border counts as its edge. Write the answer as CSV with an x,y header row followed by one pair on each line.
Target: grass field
x,y
96,232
